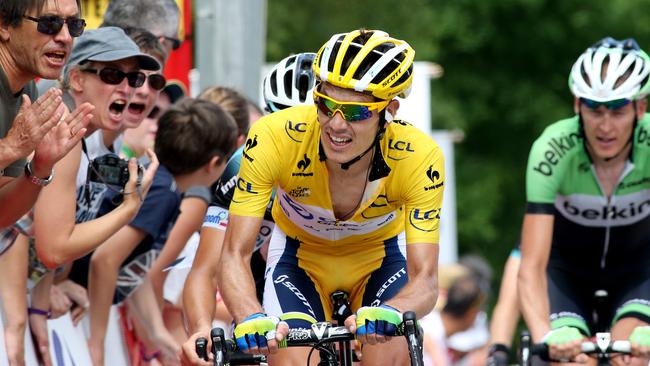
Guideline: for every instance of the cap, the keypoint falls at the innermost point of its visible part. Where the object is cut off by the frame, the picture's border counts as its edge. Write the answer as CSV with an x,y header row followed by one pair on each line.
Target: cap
x,y
107,44
175,90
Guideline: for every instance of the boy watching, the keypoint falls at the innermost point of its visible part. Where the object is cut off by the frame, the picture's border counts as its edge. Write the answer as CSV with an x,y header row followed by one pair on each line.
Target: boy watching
x,y
193,142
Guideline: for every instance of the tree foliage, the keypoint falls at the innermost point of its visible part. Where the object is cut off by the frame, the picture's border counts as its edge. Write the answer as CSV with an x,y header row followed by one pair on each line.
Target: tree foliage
x,y
506,66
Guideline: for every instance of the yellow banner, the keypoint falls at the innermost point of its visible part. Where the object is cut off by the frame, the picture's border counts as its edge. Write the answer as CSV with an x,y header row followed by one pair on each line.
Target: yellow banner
x,y
93,12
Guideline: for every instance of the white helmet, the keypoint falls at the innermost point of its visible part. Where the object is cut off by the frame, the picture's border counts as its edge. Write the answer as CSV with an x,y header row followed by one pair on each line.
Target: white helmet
x,y
626,76
290,82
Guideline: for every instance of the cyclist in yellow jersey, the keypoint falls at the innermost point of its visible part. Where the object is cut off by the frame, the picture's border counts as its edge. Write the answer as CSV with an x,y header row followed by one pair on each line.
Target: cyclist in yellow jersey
x,y
357,207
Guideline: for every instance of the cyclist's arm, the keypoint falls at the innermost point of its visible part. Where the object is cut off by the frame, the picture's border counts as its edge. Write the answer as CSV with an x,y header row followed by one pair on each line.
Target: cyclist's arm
x,y
532,285
421,291
199,294
506,311
235,279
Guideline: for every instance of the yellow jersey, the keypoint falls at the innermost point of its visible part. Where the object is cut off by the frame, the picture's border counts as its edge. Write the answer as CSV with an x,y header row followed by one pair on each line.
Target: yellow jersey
x,y
403,193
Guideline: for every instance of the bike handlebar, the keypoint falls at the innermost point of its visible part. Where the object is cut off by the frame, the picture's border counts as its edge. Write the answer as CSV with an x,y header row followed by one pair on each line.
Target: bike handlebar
x,y
603,346
224,350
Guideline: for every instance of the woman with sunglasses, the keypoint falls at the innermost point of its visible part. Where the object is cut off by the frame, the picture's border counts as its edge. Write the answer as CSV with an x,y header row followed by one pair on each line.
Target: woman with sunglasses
x,y
588,193
357,206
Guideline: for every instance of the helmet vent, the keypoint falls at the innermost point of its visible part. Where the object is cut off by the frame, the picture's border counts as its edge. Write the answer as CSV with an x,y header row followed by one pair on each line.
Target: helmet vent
x,y
288,78
274,82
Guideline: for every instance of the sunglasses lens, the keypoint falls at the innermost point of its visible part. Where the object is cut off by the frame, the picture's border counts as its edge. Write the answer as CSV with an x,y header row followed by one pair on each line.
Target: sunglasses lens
x,y
351,112
76,26
136,79
111,76
616,104
154,113
326,106
355,113
49,24
156,81
611,105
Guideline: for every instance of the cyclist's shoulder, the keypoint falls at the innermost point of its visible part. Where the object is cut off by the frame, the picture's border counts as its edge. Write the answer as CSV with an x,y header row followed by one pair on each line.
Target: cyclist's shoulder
x,y
404,141
558,140
643,134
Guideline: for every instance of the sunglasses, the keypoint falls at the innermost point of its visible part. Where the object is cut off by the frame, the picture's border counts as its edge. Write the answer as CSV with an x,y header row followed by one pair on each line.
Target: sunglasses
x,y
611,104
52,24
114,76
155,111
351,111
156,81
176,43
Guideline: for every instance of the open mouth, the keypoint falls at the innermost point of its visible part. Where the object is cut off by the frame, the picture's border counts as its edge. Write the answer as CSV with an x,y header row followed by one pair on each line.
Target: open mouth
x,y
117,107
57,57
136,108
339,141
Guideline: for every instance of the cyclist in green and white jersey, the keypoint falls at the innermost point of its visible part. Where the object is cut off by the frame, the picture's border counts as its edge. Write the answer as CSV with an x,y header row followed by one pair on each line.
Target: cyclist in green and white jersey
x,y
587,223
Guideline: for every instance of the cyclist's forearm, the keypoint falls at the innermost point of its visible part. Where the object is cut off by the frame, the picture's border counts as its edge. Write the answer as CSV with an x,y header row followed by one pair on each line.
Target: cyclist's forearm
x,y
533,298
506,312
237,286
419,295
199,299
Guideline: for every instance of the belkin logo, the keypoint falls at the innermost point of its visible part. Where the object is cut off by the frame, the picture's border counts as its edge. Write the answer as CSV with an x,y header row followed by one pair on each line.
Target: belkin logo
x,y
250,144
302,165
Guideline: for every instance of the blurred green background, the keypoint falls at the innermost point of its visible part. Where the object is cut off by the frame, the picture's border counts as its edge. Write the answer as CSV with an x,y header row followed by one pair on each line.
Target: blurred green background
x,y
506,65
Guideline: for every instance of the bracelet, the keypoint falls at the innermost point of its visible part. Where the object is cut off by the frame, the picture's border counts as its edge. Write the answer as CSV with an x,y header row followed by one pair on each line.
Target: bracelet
x,y
37,311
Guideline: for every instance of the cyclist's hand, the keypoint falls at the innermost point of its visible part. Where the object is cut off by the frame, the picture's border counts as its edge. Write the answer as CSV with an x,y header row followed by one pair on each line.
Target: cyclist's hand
x,y
564,343
188,351
375,324
640,341
257,334
498,356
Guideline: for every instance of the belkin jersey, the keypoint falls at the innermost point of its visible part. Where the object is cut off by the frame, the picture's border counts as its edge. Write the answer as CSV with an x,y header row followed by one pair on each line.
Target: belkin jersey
x,y
591,231
404,191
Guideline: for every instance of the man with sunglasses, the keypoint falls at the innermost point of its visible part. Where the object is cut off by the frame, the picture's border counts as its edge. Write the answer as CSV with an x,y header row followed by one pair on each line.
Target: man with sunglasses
x,y
160,17
357,206
587,221
34,42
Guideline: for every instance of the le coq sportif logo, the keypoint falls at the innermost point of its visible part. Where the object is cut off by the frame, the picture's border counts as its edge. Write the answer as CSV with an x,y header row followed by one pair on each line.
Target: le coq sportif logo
x,y
250,144
304,163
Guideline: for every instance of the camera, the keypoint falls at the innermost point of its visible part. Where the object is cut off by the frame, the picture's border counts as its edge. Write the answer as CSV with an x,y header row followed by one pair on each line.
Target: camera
x,y
110,169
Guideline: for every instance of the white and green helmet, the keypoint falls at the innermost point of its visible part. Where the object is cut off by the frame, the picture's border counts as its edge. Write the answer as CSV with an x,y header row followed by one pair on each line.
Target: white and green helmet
x,y
626,75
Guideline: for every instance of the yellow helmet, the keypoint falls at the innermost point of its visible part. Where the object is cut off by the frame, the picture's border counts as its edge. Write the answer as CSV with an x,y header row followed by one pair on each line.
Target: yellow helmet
x,y
367,61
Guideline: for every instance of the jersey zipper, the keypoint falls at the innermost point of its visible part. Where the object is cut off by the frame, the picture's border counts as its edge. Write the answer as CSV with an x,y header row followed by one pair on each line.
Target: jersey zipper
x,y
628,168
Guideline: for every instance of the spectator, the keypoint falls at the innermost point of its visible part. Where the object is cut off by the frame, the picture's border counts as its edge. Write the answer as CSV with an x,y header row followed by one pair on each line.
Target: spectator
x,y
29,50
459,309
506,313
138,139
193,141
160,17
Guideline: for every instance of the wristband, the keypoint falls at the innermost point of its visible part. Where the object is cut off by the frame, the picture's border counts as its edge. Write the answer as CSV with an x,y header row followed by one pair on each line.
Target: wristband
x,y
42,182
37,311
